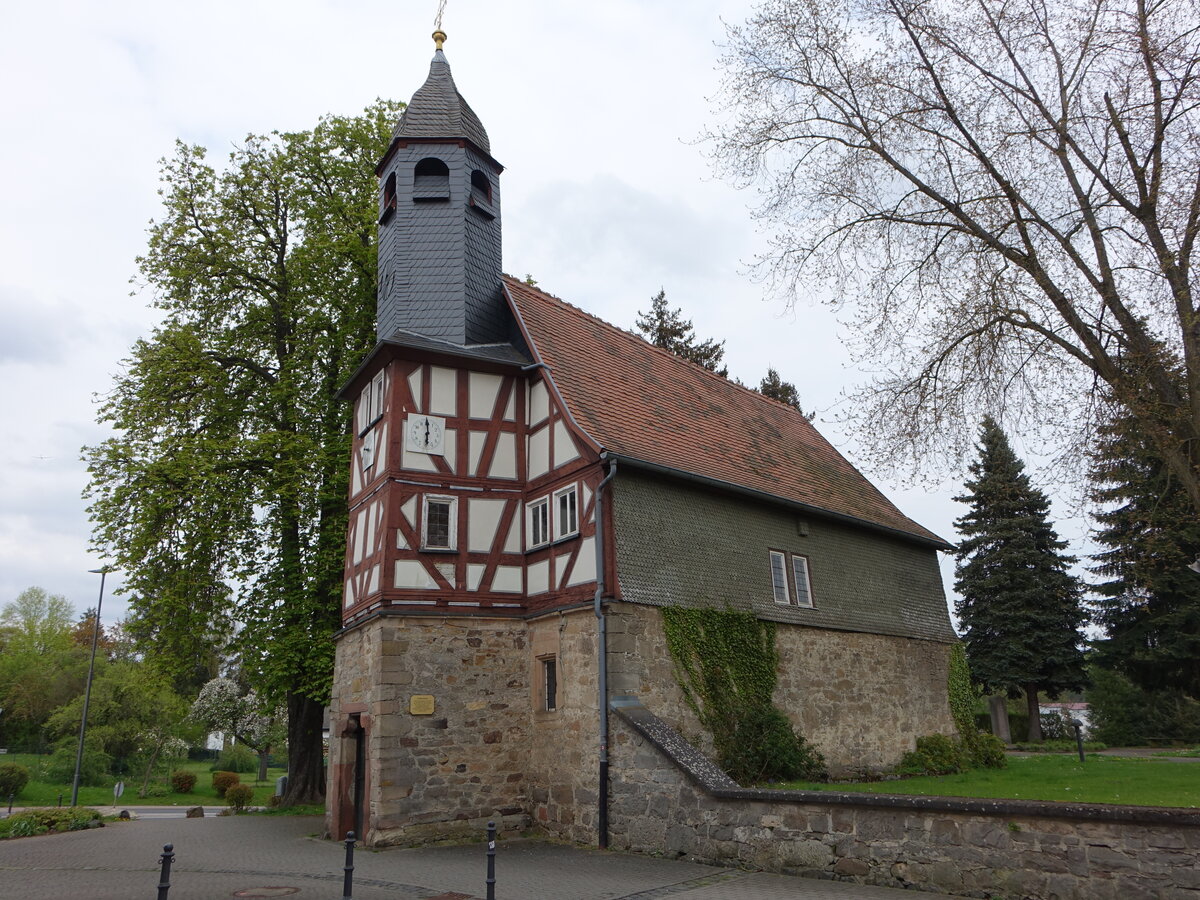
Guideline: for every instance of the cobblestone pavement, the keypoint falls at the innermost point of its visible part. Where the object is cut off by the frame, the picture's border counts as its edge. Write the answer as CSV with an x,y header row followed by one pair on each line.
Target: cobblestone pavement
x,y
281,856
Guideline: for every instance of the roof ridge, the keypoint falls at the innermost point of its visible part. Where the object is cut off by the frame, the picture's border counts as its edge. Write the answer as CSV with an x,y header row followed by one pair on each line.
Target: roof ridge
x,y
674,357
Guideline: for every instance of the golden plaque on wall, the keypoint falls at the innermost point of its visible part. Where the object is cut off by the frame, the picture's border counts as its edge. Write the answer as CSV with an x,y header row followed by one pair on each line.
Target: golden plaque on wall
x,y
421,704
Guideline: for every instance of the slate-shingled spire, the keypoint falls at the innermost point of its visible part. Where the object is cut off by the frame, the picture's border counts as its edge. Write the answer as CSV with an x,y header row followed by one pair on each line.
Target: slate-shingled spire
x,y
439,232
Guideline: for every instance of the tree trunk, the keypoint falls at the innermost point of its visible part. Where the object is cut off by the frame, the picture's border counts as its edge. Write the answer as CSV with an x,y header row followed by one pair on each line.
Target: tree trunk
x,y
1035,715
306,758
263,757
149,771
998,710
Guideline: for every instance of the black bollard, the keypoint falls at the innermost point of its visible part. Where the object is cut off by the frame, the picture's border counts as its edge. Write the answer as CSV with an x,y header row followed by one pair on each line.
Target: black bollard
x,y
11,797
348,880
164,878
491,876
60,801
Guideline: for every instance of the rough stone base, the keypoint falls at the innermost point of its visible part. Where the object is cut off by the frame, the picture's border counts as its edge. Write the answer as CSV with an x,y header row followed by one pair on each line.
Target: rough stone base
x,y
680,804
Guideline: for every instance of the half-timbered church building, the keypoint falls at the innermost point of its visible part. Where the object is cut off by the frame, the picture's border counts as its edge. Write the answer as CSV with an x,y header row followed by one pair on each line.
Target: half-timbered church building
x,y
529,487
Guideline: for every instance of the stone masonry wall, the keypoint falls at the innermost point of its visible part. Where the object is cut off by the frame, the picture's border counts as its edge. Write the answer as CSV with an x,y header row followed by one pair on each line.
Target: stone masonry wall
x,y
862,699
668,799
447,773
562,768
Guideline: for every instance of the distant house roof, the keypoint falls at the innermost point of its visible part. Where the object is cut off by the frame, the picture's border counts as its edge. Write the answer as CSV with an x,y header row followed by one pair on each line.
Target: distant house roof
x,y
641,402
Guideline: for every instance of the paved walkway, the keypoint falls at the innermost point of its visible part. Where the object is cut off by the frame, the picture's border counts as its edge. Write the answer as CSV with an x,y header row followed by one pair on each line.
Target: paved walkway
x,y
280,856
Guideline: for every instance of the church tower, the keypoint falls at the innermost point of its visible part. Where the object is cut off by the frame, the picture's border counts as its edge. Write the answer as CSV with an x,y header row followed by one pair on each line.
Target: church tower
x,y
439,221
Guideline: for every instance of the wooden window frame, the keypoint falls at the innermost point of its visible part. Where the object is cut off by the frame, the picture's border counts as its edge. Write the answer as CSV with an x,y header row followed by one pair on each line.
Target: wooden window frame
x,y
561,533
452,525
779,584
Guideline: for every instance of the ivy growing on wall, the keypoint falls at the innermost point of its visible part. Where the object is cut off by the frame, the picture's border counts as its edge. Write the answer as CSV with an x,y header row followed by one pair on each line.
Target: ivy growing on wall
x,y
963,695
725,662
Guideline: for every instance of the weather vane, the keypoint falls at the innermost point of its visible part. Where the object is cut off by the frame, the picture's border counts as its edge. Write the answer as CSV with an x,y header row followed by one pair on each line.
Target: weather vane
x,y
439,36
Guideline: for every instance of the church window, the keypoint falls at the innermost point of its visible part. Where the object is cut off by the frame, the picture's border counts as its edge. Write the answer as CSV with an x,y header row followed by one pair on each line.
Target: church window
x,y
431,180
566,512
550,683
539,522
800,577
389,198
779,581
369,408
481,188
440,523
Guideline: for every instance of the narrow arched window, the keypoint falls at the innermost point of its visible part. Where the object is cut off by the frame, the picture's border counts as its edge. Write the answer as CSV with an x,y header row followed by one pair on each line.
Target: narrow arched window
x,y
388,205
481,187
431,180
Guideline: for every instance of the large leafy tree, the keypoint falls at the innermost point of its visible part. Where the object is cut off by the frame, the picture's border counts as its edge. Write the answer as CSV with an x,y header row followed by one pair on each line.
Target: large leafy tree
x,y
667,328
41,667
1004,191
222,495
1020,607
1149,602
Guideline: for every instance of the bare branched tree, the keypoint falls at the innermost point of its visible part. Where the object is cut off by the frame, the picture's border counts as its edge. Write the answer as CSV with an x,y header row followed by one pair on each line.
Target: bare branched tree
x,y
1007,191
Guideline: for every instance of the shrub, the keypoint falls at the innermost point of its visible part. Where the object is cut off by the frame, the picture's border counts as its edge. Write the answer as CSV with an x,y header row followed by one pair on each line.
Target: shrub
x,y
182,781
94,767
988,752
1055,727
42,821
765,747
223,781
238,796
274,801
237,758
936,754
13,778
1058,746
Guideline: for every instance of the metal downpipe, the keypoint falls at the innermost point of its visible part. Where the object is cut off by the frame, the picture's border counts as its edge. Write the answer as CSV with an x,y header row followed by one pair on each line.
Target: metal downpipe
x,y
602,658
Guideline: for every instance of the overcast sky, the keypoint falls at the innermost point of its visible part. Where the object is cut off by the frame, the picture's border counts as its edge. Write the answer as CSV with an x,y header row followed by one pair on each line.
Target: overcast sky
x,y
594,109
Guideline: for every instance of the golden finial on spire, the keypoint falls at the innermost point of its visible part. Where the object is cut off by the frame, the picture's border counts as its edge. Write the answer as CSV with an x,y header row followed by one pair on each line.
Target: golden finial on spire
x,y
439,37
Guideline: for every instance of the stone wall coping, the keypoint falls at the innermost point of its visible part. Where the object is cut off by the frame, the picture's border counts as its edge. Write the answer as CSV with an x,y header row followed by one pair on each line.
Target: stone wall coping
x,y
710,778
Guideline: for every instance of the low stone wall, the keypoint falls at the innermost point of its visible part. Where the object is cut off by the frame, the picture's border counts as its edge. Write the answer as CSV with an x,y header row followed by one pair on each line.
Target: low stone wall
x,y
666,797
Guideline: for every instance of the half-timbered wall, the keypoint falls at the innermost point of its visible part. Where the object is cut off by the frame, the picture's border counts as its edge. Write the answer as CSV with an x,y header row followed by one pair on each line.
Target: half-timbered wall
x,y
498,452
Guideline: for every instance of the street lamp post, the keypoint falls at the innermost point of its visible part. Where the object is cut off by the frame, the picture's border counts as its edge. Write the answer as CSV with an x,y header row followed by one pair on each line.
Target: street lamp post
x,y
87,693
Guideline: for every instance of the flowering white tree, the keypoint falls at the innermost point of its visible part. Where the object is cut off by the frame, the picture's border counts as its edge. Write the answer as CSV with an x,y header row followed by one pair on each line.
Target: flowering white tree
x,y
221,706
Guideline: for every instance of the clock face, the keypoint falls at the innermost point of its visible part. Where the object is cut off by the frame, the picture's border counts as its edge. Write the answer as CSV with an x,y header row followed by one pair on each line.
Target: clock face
x,y
425,434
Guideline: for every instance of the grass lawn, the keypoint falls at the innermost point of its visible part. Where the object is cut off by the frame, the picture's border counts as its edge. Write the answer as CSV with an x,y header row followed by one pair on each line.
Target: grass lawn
x,y
44,793
1102,779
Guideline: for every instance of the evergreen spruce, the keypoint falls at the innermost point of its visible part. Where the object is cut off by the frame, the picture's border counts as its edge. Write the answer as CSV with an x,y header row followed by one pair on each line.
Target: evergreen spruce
x,y
784,391
667,328
1020,607
1150,605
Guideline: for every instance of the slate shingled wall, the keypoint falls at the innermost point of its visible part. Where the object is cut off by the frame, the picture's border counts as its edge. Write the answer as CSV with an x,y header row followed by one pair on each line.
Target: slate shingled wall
x,y
717,545
440,260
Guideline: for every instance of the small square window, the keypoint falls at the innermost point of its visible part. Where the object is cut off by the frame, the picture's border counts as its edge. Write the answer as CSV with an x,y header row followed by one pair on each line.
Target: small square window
x,y
440,523
779,578
539,522
800,577
566,512
550,683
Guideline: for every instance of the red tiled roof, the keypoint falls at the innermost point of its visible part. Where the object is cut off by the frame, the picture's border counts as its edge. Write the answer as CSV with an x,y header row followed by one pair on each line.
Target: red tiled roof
x,y
639,401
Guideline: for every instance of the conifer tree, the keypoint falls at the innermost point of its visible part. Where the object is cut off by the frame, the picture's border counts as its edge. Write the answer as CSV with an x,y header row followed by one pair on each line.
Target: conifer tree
x,y
1020,607
784,391
1150,604
667,328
